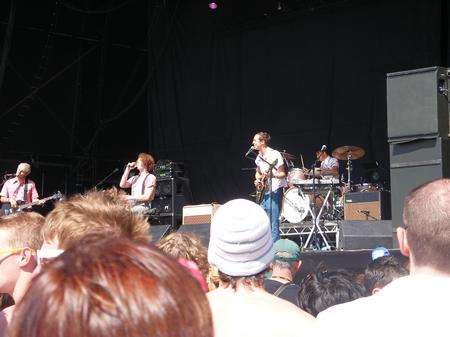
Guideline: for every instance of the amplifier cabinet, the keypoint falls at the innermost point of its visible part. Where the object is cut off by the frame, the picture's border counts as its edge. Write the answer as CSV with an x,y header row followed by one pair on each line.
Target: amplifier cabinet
x,y
199,214
369,206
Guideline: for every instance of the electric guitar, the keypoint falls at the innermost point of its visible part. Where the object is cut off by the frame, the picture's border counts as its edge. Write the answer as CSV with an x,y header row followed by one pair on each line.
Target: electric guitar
x,y
7,209
261,188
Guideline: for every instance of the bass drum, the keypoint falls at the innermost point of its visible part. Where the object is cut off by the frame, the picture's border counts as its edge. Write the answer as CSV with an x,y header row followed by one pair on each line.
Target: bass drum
x,y
295,207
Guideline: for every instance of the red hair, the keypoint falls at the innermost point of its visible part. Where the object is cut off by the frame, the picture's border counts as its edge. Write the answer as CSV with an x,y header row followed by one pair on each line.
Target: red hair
x,y
105,287
147,160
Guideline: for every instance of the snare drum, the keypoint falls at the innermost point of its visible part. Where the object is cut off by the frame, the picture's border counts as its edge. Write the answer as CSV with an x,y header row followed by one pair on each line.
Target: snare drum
x,y
295,175
295,206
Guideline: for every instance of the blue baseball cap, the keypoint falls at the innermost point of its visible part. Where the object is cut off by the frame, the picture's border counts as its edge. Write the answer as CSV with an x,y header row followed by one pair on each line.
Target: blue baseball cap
x,y
379,252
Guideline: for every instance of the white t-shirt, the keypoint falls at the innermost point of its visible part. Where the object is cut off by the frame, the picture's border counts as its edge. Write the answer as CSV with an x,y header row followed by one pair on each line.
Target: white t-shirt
x,y
271,155
329,163
414,305
138,181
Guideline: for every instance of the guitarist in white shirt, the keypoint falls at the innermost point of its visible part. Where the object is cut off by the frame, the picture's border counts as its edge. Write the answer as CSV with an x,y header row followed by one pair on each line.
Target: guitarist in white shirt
x,y
273,195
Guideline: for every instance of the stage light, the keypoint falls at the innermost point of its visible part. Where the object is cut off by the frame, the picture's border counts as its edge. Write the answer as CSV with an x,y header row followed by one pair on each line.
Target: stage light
x,y
212,5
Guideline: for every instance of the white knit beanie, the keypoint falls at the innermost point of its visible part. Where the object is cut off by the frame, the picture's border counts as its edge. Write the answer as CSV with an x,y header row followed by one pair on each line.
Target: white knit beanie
x,y
240,241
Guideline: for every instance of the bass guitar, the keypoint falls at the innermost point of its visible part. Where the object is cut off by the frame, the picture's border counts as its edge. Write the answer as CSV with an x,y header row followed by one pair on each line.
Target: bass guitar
x,y
7,209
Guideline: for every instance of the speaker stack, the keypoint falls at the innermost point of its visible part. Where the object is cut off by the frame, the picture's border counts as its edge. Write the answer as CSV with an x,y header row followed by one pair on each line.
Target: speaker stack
x,y
418,126
172,193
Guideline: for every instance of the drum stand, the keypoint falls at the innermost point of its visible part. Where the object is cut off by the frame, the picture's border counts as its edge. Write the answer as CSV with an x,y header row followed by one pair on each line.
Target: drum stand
x,y
316,218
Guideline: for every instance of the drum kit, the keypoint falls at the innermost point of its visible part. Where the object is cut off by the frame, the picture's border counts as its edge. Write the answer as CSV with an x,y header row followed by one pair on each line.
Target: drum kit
x,y
313,196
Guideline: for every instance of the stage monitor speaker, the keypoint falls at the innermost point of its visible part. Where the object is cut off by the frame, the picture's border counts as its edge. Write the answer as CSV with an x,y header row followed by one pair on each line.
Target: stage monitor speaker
x,y
199,214
417,105
412,164
365,234
369,206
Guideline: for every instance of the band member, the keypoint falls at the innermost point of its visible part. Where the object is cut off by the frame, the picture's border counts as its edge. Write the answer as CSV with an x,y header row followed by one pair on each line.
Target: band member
x,y
329,166
271,202
143,185
19,189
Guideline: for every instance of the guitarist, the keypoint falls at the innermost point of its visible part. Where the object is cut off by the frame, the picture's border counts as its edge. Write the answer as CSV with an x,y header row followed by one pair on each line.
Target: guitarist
x,y
19,189
271,201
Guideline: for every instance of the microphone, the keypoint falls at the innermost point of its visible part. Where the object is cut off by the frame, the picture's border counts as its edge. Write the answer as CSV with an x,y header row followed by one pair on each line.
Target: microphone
x,y
250,150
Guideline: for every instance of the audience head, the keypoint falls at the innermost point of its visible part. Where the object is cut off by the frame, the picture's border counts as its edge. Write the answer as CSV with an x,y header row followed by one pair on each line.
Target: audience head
x,y
93,212
323,289
20,237
187,246
104,287
379,252
287,256
381,272
426,238
240,245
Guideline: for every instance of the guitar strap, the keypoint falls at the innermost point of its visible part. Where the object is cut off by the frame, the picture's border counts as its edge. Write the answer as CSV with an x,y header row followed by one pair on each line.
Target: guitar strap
x,y
25,191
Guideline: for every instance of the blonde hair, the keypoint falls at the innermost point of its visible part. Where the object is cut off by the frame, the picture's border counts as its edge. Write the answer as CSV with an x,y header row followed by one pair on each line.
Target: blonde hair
x,y
25,167
94,212
189,246
25,229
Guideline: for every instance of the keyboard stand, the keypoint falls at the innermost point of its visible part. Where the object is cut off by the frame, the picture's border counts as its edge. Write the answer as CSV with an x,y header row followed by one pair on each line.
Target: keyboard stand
x,y
316,221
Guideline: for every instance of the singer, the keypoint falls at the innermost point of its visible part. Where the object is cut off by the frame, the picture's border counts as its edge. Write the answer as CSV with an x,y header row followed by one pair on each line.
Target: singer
x,y
143,185
329,166
271,202
19,189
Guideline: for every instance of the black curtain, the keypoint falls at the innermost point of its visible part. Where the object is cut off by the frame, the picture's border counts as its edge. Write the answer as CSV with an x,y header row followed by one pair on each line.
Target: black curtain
x,y
193,85
308,78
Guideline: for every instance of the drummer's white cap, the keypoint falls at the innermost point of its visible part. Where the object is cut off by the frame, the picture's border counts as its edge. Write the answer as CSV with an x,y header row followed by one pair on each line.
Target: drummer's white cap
x,y
241,242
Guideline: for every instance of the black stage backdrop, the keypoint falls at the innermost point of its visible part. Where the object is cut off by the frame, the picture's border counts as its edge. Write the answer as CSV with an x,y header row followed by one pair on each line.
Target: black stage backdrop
x,y
88,85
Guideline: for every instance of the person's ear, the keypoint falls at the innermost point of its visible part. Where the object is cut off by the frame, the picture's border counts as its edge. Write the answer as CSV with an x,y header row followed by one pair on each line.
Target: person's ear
x,y
375,290
26,257
403,241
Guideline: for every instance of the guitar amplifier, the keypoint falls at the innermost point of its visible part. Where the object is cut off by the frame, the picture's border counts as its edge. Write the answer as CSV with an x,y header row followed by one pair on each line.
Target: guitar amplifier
x,y
367,206
199,214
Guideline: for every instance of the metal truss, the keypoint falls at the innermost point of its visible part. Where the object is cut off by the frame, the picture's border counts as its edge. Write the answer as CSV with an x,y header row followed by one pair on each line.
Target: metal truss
x,y
300,231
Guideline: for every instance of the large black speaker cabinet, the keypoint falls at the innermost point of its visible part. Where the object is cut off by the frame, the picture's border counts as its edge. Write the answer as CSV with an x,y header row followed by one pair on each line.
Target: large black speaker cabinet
x,y
412,164
365,234
417,105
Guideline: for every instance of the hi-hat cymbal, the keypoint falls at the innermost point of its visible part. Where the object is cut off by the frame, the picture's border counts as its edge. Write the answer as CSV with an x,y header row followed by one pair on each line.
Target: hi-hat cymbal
x,y
344,152
288,156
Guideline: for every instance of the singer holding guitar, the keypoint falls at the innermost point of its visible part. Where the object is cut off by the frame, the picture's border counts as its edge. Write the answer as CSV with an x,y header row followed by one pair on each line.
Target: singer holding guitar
x,y
19,189
143,185
271,201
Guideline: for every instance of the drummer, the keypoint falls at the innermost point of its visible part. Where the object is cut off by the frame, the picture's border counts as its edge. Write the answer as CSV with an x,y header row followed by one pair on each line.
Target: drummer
x,y
329,166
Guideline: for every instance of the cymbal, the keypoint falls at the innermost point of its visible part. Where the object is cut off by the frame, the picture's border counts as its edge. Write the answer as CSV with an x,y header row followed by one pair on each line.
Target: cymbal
x,y
288,156
343,152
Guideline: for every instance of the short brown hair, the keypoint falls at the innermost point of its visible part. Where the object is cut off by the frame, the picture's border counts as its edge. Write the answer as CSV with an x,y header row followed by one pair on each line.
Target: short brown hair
x,y
94,212
25,228
147,161
427,216
113,287
264,136
187,246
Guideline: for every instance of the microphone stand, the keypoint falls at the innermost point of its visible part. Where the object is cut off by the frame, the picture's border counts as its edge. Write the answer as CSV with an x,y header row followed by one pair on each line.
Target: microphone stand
x,y
108,176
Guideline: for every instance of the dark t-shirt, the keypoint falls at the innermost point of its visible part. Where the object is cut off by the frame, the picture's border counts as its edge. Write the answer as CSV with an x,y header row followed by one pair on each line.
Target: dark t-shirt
x,y
290,293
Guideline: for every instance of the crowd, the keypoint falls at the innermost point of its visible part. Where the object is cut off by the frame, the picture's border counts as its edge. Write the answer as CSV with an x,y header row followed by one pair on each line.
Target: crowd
x,y
88,269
